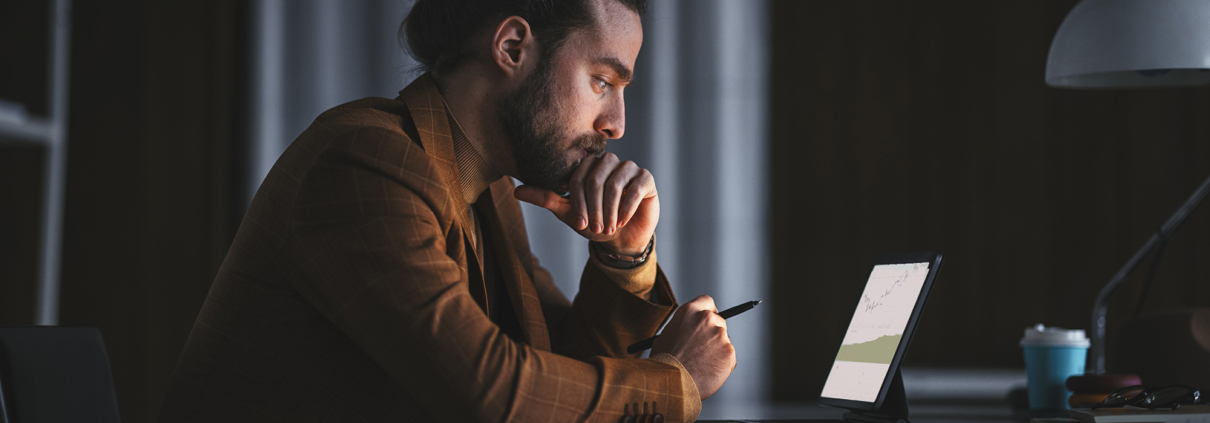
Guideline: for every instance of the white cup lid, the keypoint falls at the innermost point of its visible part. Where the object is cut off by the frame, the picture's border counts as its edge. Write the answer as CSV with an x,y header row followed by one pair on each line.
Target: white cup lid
x,y
1054,337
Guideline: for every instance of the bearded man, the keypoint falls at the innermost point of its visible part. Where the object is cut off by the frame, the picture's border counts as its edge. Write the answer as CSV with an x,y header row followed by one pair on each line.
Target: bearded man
x,y
382,272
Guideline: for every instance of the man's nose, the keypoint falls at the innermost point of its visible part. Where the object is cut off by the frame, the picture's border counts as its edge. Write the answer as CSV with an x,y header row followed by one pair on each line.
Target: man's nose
x,y
612,121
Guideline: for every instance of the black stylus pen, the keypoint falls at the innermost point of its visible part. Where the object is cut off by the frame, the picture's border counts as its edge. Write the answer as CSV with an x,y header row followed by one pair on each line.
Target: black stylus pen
x,y
726,314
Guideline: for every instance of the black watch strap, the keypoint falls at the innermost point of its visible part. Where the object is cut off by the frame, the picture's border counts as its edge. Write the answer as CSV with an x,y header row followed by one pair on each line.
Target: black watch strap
x,y
620,261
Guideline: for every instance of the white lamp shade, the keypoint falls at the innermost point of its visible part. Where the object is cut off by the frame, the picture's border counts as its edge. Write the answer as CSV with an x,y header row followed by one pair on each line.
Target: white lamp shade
x,y
1132,43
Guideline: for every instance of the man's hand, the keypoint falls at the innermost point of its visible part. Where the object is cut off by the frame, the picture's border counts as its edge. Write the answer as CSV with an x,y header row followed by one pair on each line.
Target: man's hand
x,y
611,202
697,337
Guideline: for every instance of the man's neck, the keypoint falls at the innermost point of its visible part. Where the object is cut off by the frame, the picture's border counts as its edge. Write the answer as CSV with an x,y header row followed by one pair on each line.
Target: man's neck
x,y
471,100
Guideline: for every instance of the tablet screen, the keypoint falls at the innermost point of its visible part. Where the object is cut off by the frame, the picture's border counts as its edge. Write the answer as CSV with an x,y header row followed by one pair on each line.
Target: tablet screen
x,y
873,336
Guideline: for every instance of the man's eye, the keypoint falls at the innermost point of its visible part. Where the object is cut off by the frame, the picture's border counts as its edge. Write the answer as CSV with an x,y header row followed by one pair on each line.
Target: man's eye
x,y
600,84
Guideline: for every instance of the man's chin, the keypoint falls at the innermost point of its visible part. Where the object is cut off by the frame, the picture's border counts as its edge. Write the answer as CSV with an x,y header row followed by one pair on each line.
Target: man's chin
x,y
558,185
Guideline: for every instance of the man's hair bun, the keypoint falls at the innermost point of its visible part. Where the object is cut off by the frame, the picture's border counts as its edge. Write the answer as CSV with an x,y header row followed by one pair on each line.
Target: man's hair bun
x,y
435,31
430,28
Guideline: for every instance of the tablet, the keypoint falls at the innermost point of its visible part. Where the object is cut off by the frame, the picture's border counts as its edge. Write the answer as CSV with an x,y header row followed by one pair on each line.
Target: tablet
x,y
881,328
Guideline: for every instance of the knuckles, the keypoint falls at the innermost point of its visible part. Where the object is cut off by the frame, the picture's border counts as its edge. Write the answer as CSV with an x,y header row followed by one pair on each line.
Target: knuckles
x,y
599,179
618,182
615,185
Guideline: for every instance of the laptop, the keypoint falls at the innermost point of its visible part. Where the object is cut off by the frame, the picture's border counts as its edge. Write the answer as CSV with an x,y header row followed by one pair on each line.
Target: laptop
x,y
865,377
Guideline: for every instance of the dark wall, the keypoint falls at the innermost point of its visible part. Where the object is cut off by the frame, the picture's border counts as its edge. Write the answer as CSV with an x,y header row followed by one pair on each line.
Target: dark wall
x,y
897,126
23,86
906,126
149,211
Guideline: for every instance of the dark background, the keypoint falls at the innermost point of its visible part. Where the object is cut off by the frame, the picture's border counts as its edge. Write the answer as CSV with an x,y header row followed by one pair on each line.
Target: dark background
x,y
926,125
152,163
896,126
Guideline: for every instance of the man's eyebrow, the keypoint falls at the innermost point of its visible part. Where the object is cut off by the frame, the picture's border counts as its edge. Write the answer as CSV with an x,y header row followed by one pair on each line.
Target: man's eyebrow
x,y
624,73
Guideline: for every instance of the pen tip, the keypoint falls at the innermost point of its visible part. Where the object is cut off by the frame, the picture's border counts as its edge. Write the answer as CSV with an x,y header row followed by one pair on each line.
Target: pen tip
x,y
758,302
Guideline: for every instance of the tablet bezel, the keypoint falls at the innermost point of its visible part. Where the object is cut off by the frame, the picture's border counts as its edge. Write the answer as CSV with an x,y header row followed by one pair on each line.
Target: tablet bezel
x,y
934,260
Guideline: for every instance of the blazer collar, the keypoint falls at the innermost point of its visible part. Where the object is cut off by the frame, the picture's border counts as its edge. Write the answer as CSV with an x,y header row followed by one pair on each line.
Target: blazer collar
x,y
427,108
428,112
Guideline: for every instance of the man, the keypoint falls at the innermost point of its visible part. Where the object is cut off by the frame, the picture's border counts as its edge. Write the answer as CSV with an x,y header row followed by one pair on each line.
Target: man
x,y
382,272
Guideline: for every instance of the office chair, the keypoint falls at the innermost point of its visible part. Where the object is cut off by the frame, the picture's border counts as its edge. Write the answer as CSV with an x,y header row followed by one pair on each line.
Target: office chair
x,y
55,374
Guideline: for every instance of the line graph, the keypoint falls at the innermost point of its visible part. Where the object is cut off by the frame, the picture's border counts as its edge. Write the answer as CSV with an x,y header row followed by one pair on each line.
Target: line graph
x,y
872,304
887,301
875,332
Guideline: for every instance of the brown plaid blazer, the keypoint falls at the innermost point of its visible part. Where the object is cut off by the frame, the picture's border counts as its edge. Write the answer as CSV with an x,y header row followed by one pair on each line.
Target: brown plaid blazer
x,y
351,293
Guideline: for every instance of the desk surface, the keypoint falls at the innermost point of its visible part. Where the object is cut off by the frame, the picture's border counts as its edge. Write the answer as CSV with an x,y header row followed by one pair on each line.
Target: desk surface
x,y
919,413
934,395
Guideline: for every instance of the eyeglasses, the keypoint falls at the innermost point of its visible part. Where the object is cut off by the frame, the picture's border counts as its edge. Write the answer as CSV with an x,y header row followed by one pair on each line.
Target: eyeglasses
x,y
1141,396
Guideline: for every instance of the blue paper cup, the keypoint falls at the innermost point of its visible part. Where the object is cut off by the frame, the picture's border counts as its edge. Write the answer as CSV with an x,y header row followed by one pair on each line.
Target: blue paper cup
x,y
1051,356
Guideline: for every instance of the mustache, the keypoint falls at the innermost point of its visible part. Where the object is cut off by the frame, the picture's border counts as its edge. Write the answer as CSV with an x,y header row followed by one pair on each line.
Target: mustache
x,y
593,143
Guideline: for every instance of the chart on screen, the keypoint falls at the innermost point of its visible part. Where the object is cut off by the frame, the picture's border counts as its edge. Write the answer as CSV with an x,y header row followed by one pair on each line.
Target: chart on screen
x,y
874,332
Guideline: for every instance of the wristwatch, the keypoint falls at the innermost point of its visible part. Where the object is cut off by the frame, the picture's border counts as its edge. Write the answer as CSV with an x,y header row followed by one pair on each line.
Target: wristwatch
x,y
621,261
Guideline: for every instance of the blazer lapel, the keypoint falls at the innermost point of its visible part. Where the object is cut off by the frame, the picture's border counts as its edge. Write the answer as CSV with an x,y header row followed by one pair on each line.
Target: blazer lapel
x,y
428,111
520,287
427,108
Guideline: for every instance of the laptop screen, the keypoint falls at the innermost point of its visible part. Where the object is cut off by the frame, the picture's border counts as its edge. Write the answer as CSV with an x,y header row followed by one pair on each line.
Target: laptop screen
x,y
878,324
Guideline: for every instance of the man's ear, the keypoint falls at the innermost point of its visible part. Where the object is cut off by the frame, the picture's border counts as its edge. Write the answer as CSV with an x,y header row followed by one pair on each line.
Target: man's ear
x,y
513,45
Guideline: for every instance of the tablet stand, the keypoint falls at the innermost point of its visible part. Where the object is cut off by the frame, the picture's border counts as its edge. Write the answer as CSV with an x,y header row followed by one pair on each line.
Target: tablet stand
x,y
894,406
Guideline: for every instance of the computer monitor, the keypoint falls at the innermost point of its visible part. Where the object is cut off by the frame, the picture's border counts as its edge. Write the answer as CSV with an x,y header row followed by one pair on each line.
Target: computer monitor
x,y
880,331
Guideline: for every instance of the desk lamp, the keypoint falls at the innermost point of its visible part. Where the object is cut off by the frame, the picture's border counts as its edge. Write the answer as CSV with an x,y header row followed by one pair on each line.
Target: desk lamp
x,y
1132,44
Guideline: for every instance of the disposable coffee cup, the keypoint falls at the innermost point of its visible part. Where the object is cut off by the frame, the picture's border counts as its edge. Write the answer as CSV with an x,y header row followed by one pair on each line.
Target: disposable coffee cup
x,y
1051,356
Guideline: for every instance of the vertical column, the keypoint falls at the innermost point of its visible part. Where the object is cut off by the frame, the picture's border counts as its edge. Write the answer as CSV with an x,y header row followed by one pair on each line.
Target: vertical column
x,y
696,151
268,58
46,309
331,49
663,43
742,202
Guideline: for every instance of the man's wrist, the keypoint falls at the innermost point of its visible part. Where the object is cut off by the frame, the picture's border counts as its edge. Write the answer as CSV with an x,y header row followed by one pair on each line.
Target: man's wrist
x,y
616,246
612,258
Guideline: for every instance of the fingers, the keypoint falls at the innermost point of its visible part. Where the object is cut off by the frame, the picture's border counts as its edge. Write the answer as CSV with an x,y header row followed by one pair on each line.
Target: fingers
x,y
594,191
719,323
604,194
579,208
702,302
546,199
708,317
612,200
607,192
641,187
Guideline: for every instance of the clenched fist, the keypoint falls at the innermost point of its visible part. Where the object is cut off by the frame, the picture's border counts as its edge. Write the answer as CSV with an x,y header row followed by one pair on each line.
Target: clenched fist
x,y
697,337
611,201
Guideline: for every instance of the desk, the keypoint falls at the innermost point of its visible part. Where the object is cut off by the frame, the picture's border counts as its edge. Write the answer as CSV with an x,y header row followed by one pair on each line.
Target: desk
x,y
934,395
932,412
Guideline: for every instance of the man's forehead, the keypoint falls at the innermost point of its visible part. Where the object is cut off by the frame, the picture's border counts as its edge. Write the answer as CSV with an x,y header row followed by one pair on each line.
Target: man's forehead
x,y
616,37
614,14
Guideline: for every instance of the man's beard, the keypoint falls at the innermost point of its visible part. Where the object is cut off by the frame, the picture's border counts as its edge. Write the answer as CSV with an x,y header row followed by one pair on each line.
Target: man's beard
x,y
531,123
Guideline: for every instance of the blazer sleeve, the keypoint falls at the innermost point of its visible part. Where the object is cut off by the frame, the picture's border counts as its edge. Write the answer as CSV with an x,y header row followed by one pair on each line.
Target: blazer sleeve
x,y
605,317
368,249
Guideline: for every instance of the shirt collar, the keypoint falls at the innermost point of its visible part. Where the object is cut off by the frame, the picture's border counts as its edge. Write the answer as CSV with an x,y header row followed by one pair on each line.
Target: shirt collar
x,y
473,171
